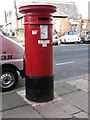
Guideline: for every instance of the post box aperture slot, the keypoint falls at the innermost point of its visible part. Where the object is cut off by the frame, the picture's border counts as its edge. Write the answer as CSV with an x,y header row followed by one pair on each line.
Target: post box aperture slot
x,y
43,18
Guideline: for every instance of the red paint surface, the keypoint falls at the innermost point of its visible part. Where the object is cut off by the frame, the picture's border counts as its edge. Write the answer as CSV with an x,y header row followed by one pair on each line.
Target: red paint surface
x,y
38,58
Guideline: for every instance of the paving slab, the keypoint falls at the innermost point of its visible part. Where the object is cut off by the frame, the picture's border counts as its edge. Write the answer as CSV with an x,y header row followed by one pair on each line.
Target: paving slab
x,y
59,90
78,99
67,86
81,115
11,100
50,110
26,111
67,107
80,84
64,88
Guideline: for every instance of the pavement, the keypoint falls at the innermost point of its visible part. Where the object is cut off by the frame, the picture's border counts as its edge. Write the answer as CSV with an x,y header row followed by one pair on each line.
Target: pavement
x,y
70,102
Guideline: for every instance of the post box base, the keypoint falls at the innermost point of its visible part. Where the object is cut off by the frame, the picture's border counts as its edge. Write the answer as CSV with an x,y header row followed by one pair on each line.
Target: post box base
x,y
39,89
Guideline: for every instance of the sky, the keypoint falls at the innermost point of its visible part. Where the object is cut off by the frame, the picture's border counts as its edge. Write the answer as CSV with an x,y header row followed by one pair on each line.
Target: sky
x,y
8,4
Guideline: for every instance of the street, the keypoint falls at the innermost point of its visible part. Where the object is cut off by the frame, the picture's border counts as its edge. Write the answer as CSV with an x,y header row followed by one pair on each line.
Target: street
x,y
69,61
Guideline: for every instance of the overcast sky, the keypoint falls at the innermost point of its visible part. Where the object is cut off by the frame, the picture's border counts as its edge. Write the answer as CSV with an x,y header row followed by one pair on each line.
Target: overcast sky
x,y
7,4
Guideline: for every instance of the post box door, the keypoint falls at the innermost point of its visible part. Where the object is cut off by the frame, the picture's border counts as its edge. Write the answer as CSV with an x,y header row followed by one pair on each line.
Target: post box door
x,y
39,50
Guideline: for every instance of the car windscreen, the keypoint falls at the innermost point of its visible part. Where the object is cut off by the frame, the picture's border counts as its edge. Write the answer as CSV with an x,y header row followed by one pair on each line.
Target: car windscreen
x,y
72,33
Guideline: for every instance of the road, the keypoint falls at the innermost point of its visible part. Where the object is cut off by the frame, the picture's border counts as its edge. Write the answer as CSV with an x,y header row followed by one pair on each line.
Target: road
x,y
69,60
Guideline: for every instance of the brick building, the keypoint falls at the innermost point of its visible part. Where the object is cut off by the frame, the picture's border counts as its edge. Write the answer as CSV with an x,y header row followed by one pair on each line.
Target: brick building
x,y
67,18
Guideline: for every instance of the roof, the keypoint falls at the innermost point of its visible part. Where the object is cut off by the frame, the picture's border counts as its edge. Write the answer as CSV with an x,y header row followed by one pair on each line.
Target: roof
x,y
64,9
59,14
67,8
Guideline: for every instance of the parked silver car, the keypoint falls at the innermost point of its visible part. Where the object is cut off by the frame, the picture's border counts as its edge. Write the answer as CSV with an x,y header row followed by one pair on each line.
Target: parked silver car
x,y
85,36
70,37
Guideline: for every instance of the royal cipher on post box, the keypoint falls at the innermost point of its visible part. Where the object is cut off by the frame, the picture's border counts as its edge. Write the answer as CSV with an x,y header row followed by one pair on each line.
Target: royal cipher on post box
x,y
38,51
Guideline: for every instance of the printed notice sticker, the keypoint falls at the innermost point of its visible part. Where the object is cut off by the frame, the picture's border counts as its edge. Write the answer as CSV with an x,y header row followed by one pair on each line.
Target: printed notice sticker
x,y
44,42
44,31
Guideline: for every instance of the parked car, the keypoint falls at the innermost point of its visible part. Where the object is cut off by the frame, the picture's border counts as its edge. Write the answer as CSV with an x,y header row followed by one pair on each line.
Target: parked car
x,y
70,37
11,63
85,36
55,38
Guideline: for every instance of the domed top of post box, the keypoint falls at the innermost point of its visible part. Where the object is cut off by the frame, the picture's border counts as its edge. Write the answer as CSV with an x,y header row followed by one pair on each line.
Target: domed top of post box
x,y
37,8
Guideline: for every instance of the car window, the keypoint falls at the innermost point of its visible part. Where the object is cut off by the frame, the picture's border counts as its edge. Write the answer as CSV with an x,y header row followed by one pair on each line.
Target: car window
x,y
87,33
72,33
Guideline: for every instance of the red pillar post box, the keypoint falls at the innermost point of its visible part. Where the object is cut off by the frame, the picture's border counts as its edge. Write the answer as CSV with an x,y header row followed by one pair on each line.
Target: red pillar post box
x,y
38,51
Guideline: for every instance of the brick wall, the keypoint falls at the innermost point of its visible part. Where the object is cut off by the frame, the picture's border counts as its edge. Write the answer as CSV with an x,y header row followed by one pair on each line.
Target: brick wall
x,y
65,25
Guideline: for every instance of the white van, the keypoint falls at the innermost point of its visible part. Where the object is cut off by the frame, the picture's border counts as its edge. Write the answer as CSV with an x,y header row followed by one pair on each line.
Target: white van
x,y
11,63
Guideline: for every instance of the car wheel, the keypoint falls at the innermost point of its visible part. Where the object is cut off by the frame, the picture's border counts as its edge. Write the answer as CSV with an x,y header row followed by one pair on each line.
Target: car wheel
x,y
65,41
8,79
82,40
56,43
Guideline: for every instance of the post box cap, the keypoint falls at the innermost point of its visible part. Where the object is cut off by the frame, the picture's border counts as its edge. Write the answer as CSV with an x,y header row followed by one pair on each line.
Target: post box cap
x,y
37,8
